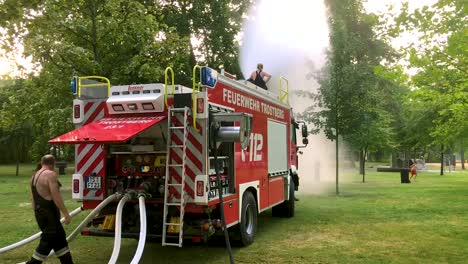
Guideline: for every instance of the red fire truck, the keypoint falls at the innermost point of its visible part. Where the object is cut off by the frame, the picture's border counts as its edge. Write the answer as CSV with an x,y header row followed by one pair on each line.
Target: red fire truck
x,y
181,147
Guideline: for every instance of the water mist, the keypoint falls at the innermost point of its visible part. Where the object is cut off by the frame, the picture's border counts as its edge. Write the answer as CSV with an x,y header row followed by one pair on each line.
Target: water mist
x,y
290,40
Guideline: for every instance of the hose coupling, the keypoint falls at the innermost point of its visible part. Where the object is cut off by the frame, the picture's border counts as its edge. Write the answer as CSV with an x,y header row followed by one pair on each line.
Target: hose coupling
x,y
118,195
144,194
131,194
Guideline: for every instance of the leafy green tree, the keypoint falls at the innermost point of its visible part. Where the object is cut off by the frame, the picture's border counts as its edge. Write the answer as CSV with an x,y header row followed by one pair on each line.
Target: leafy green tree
x,y
440,57
213,24
126,41
16,123
116,39
349,101
113,38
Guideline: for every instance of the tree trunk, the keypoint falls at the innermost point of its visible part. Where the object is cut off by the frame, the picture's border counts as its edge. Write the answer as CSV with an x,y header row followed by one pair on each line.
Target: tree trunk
x,y
405,159
54,151
17,159
92,9
450,161
364,155
337,164
17,166
362,164
462,155
337,103
442,160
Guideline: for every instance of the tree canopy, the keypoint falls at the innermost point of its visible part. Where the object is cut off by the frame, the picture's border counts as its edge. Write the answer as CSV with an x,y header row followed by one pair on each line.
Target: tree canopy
x,y
366,98
440,84
353,95
125,41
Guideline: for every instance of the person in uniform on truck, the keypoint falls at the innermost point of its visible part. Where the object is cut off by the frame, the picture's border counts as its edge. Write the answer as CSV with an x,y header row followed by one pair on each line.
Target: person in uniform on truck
x,y
47,204
259,77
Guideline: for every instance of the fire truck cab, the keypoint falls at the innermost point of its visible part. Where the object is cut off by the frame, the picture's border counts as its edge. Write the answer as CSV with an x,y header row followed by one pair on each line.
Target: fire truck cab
x,y
179,148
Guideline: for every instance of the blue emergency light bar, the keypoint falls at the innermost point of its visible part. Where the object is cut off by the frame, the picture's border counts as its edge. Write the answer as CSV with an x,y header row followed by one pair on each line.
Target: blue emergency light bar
x,y
209,77
74,85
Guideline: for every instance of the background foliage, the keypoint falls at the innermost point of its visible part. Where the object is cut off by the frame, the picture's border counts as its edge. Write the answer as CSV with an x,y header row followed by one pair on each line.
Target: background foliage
x,y
365,94
126,41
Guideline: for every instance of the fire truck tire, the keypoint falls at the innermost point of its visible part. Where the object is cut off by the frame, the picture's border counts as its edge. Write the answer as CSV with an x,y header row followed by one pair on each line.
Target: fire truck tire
x,y
248,224
286,209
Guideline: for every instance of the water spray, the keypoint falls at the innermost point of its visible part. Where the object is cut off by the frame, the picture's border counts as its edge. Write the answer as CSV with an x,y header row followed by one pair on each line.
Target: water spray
x,y
291,40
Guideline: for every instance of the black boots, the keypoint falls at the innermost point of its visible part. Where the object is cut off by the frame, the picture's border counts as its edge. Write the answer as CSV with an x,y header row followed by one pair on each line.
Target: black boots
x,y
66,259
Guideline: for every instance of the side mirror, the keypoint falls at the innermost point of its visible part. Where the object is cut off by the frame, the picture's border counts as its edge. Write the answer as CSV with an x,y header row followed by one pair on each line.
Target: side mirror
x,y
305,131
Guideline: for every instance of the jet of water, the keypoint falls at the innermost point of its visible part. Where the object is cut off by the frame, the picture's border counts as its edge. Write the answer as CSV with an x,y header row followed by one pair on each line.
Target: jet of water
x,y
290,38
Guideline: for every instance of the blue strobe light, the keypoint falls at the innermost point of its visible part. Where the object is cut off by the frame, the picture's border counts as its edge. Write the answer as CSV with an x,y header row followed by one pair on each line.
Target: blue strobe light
x,y
209,77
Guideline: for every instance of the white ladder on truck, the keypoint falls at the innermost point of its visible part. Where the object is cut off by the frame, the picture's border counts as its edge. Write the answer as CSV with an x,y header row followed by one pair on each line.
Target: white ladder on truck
x,y
170,182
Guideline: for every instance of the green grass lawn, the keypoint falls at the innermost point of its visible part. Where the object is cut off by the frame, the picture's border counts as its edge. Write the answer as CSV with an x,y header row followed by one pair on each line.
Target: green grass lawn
x,y
381,221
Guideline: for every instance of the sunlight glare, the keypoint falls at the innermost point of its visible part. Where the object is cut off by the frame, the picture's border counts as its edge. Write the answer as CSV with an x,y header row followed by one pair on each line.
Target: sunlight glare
x,y
280,35
4,67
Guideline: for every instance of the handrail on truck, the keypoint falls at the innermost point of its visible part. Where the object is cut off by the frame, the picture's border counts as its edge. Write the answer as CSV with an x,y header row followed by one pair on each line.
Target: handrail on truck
x,y
107,83
284,93
195,90
166,77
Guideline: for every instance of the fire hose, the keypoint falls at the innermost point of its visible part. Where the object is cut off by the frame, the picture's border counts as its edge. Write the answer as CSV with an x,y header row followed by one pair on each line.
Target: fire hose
x,y
141,242
93,214
90,217
118,229
72,214
37,235
220,192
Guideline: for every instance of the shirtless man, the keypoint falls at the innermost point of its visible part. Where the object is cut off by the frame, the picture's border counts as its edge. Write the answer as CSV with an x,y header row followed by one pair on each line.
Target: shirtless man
x,y
47,204
259,77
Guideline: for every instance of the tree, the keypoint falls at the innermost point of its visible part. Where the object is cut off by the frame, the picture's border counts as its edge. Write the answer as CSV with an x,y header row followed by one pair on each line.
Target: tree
x,y
126,41
17,120
440,58
109,38
215,26
113,38
348,100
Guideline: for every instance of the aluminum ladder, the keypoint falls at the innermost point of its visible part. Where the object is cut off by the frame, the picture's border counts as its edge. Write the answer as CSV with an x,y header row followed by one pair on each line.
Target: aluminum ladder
x,y
173,224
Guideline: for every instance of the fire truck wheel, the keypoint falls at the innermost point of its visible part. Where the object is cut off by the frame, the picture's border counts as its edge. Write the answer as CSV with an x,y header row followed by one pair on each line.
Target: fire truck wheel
x,y
248,224
286,209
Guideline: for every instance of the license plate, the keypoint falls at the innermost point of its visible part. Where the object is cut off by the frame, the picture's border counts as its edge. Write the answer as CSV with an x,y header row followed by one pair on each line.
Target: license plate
x,y
93,183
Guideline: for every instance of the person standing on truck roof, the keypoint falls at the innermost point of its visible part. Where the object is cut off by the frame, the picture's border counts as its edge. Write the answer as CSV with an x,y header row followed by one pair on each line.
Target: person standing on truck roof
x,y
259,77
47,204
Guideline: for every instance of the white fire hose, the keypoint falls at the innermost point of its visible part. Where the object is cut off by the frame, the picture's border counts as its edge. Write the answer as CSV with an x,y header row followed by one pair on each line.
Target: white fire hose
x,y
37,235
90,217
93,213
141,242
118,229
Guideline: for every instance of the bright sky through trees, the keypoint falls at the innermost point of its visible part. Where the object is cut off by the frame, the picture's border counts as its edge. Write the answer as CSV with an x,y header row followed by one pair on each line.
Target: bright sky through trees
x,y
275,22
382,7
